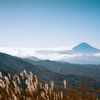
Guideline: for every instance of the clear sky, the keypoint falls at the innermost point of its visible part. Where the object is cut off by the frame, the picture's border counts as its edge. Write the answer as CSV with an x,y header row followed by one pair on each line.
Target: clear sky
x,y
49,23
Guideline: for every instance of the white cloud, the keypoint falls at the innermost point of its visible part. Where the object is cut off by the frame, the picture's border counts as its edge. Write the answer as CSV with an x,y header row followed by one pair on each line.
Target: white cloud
x,y
56,56
50,53
97,54
20,52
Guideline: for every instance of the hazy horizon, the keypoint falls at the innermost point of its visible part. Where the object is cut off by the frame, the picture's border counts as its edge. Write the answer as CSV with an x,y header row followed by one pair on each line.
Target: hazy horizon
x,y
58,54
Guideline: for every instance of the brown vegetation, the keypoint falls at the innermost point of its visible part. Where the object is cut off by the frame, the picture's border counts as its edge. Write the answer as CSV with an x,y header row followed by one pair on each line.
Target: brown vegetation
x,y
27,87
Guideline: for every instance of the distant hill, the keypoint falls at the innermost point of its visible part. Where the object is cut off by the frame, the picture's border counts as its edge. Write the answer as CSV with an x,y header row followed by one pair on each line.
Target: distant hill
x,y
84,59
86,70
17,65
14,65
32,58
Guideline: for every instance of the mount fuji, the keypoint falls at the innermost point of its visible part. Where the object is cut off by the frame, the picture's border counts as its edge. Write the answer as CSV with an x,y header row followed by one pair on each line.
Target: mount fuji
x,y
82,48
88,54
85,48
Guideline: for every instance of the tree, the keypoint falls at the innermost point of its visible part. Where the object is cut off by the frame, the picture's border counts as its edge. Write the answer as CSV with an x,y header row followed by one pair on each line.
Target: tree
x,y
82,90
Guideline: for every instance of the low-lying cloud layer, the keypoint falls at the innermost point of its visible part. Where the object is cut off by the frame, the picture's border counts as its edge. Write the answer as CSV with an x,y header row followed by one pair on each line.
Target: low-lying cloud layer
x,y
49,53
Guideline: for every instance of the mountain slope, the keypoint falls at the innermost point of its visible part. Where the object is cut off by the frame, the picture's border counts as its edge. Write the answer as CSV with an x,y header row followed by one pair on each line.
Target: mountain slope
x,y
92,71
16,65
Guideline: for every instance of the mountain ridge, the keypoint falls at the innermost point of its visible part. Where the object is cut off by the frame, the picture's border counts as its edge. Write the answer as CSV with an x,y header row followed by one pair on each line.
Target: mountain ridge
x,y
65,68
16,65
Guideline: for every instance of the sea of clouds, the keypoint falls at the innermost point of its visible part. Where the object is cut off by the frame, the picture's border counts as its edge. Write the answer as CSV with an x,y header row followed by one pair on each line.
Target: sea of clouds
x,y
42,53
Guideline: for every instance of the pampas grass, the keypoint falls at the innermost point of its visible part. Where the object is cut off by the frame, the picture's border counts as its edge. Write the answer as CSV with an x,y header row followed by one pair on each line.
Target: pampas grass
x,y
11,88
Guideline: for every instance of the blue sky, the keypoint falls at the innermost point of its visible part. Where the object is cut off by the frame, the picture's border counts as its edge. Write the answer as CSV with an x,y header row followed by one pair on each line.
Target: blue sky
x,y
49,23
